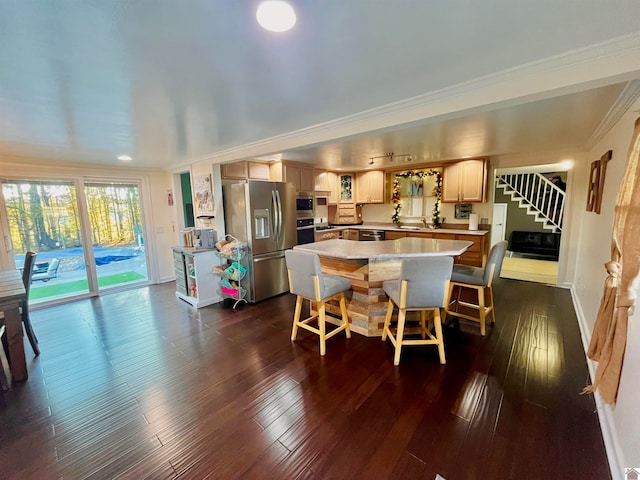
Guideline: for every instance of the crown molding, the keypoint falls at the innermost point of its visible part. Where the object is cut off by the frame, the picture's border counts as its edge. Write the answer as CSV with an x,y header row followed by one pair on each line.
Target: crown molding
x,y
624,102
605,63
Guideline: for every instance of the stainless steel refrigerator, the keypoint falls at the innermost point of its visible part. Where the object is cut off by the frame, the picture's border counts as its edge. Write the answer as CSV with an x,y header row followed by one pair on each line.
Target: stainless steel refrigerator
x,y
263,214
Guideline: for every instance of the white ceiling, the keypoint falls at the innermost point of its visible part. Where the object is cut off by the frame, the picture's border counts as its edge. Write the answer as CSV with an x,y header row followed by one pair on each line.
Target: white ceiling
x,y
171,82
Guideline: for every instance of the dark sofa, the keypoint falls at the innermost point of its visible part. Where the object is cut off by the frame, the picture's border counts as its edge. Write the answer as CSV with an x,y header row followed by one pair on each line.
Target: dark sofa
x,y
535,244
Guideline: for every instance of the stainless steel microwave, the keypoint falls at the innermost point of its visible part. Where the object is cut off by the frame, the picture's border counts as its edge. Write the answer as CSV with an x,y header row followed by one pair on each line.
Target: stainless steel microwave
x,y
304,206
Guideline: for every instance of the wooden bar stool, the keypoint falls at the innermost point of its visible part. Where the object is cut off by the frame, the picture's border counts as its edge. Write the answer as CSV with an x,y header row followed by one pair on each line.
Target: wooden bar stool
x,y
480,280
423,286
306,280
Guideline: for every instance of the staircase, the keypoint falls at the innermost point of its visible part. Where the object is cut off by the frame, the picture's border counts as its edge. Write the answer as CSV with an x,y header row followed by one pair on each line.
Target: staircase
x,y
535,193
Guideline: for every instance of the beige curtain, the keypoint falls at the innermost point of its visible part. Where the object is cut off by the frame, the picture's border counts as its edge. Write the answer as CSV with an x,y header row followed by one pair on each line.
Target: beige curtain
x,y
610,330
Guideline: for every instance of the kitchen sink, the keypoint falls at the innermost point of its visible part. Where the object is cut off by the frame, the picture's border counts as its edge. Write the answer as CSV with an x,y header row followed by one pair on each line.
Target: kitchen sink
x,y
409,227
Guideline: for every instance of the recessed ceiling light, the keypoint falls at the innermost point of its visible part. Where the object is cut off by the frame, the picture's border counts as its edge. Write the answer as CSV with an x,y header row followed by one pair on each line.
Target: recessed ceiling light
x,y
567,164
125,158
276,16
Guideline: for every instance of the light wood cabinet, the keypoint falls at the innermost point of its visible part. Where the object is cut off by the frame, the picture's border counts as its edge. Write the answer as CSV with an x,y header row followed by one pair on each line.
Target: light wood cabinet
x,y
258,171
301,177
332,180
327,235
346,185
237,170
245,170
464,181
476,254
394,234
369,187
350,234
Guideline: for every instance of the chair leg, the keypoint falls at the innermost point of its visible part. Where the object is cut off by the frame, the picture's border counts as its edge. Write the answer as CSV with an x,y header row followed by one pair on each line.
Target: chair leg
x,y
401,319
322,328
33,340
5,371
296,317
345,316
447,304
490,306
482,312
423,324
438,326
387,320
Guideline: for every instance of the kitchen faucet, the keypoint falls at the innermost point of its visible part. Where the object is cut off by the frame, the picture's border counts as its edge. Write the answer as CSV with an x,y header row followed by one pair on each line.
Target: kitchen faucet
x,y
424,222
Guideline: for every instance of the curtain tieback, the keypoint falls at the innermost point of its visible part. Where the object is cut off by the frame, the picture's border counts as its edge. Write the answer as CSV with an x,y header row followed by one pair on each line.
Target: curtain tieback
x,y
613,269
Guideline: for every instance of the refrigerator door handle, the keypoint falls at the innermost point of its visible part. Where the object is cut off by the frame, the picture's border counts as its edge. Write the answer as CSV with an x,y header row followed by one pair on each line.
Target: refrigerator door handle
x,y
274,206
268,256
279,216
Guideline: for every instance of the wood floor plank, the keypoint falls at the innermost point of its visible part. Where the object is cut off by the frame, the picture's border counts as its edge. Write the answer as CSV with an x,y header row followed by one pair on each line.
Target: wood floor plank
x,y
138,384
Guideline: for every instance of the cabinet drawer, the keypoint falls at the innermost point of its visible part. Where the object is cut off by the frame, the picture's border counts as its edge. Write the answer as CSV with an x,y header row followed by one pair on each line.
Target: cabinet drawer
x,y
471,258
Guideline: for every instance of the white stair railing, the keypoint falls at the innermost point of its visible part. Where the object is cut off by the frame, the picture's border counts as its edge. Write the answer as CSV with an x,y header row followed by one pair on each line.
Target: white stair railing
x,y
540,196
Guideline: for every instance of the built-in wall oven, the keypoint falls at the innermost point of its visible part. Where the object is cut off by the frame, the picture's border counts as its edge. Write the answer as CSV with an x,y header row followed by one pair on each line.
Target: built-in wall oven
x,y
306,230
305,214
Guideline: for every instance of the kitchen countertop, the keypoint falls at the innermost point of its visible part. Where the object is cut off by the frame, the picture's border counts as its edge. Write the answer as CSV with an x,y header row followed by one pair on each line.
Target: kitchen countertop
x,y
381,226
386,249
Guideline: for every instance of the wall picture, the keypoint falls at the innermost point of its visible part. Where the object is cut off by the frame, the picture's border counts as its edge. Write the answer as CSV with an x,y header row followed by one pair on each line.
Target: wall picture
x,y
203,195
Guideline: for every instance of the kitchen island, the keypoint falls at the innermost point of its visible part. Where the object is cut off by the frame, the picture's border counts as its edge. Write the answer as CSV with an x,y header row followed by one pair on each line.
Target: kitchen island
x,y
367,265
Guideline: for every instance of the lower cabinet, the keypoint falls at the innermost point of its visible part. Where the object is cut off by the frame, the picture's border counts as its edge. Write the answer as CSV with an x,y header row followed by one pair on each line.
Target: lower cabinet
x,y
350,234
476,254
195,281
327,235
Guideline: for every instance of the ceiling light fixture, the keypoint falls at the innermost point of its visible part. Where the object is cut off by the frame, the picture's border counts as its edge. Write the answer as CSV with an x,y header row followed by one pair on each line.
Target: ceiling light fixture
x,y
391,156
125,158
276,16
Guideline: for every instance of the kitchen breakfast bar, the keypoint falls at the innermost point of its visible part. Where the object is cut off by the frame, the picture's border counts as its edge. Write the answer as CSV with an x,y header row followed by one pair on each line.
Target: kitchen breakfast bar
x,y
367,265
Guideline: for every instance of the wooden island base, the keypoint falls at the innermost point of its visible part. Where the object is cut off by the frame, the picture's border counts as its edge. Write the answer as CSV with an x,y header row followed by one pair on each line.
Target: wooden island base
x,y
366,302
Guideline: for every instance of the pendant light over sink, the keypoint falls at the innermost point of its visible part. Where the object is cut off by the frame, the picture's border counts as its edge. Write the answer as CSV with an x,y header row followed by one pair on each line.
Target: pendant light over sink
x,y
276,15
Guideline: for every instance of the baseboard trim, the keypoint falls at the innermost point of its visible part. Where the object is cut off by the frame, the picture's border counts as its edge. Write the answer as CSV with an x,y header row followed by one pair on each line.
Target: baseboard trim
x,y
605,414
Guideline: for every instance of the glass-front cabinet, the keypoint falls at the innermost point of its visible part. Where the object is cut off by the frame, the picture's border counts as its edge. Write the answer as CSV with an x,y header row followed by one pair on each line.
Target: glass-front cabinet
x,y
346,188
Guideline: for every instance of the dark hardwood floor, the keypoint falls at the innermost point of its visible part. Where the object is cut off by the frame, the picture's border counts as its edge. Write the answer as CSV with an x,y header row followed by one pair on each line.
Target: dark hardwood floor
x,y
139,385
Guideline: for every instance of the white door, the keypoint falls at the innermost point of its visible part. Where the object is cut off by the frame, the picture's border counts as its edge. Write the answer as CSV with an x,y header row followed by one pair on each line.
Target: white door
x,y
499,222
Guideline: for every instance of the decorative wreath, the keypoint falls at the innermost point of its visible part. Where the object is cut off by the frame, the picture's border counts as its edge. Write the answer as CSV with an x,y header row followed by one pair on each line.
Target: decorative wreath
x,y
435,214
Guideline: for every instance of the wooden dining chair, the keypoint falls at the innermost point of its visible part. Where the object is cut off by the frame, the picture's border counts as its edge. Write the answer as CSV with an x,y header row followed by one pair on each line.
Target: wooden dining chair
x,y
306,280
423,286
27,273
5,372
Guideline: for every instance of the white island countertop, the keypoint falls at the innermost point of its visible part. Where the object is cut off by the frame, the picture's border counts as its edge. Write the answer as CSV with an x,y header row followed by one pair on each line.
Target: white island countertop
x,y
386,249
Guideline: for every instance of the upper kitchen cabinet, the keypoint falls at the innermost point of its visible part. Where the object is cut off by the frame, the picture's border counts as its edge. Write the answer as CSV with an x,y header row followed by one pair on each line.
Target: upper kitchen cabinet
x,y
245,170
370,187
464,181
345,188
332,180
302,177
327,182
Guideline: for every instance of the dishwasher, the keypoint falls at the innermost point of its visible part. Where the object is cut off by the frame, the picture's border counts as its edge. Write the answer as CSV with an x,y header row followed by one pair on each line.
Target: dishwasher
x,y
371,235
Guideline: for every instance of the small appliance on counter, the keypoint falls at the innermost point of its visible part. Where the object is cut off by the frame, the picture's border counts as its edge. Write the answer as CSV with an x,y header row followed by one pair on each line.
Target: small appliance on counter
x,y
199,238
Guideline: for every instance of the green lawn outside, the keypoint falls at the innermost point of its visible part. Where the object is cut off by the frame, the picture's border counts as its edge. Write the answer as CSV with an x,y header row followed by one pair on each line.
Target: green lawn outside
x,y
46,291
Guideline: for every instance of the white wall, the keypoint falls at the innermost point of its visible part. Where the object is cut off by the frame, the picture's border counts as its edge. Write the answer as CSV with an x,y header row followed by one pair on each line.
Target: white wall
x,y
621,423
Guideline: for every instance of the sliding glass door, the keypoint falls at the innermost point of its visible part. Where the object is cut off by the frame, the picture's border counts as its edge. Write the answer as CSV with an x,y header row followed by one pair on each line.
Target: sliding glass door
x,y
115,218
43,217
59,219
